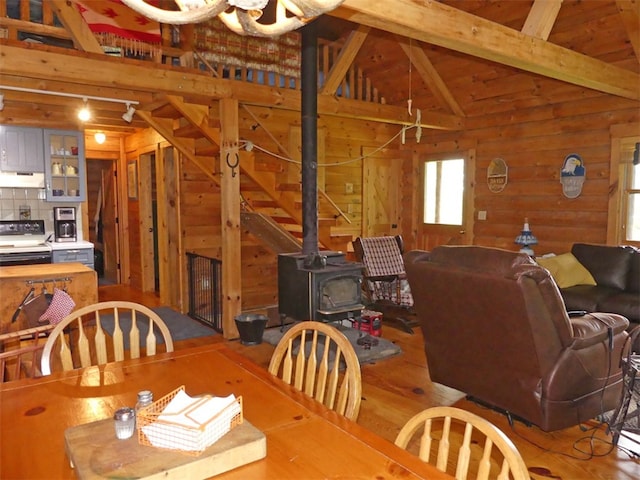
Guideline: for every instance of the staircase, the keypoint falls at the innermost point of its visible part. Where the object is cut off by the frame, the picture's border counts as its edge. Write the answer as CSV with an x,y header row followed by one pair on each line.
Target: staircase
x,y
273,193
188,127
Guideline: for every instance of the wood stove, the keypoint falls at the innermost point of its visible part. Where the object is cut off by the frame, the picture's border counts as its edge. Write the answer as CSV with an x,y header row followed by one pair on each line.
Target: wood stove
x,y
325,288
315,285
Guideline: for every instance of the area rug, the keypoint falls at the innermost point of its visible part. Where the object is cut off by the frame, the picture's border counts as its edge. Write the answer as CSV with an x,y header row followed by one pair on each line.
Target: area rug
x,y
180,326
366,354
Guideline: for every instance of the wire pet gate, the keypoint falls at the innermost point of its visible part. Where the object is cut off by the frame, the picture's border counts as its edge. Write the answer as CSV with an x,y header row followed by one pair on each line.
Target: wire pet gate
x,y
205,290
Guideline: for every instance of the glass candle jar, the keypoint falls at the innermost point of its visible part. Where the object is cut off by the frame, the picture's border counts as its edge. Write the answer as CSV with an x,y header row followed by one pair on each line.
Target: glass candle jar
x,y
125,422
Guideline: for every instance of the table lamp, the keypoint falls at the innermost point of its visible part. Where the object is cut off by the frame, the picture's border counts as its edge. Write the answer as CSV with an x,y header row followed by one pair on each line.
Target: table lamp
x,y
526,239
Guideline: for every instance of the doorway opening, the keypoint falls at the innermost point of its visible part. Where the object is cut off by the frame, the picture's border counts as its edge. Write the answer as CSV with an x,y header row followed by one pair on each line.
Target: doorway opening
x,y
102,207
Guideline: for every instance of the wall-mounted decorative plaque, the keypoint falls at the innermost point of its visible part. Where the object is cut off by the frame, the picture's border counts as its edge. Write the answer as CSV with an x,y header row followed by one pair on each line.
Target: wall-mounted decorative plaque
x,y
497,175
572,175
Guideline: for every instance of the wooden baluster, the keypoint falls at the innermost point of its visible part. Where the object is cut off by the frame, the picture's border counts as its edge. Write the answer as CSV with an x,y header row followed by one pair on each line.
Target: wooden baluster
x,y
310,375
151,339
332,387
83,347
300,362
464,455
443,447
118,341
287,364
134,337
323,371
100,342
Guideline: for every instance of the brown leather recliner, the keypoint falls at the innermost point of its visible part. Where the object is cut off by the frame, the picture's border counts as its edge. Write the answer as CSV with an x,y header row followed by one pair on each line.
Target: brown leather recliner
x,y
495,327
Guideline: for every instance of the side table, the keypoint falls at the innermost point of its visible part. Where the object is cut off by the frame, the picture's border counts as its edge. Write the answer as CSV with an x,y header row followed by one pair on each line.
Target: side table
x,y
623,419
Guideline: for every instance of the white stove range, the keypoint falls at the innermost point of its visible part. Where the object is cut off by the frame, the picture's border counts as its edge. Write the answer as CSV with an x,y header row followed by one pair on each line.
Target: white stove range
x,y
23,242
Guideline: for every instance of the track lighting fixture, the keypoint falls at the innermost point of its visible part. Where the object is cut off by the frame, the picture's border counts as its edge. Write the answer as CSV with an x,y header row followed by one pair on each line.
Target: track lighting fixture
x,y
128,115
84,114
100,138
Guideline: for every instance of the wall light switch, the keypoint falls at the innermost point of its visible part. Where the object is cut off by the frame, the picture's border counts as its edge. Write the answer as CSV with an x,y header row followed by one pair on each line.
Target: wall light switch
x,y
482,215
348,187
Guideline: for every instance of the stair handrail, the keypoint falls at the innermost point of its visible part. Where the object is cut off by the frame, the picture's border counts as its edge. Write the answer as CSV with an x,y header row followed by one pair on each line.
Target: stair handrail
x,y
323,194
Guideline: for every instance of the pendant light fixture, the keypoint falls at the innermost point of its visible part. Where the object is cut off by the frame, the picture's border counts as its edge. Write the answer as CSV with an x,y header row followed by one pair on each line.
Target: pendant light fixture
x,y
240,16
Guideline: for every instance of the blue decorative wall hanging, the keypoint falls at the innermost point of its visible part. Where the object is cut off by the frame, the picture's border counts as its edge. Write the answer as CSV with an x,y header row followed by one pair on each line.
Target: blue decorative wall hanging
x,y
572,175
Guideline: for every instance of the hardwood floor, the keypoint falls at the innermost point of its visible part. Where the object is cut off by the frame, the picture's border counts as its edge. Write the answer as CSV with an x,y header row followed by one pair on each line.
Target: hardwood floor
x,y
397,388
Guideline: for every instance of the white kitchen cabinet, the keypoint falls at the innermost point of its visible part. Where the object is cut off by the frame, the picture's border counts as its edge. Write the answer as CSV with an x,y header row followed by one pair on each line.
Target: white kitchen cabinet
x,y
65,166
21,149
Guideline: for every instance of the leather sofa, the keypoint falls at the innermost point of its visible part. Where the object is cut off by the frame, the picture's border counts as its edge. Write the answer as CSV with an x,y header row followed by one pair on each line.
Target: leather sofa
x,y
495,327
616,271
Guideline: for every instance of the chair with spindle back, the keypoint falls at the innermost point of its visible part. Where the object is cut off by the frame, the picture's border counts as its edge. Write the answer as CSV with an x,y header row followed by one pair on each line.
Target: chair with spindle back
x,y
317,359
438,430
105,332
20,352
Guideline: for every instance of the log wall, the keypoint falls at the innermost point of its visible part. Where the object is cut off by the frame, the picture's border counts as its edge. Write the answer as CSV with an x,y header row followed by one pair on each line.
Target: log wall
x,y
534,142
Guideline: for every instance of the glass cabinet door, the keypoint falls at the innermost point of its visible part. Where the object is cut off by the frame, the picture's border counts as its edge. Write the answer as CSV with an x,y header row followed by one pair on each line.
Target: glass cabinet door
x,y
64,166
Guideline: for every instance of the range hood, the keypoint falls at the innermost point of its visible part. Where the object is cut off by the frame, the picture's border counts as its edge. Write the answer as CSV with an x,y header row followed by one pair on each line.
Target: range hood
x,y
22,180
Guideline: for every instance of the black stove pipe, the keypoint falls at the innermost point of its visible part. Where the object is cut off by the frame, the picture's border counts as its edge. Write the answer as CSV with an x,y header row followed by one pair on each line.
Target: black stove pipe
x,y
309,127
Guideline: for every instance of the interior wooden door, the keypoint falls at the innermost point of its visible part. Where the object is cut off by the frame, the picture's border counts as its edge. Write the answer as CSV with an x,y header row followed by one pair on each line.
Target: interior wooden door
x,y
111,250
146,205
380,193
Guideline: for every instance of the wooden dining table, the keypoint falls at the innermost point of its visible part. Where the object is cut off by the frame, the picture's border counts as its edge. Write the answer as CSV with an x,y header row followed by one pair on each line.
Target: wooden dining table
x,y
304,439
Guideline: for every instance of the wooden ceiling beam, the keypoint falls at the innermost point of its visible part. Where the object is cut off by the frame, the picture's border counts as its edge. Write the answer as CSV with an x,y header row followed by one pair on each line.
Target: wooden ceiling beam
x,y
541,18
439,24
347,54
630,13
87,71
83,38
429,75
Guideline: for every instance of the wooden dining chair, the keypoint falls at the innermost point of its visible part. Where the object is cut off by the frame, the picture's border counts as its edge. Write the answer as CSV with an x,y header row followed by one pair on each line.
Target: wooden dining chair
x,y
318,359
104,332
20,352
444,427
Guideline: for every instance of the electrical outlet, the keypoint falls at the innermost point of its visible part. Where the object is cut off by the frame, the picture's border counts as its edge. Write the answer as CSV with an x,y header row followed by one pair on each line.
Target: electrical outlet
x,y
348,187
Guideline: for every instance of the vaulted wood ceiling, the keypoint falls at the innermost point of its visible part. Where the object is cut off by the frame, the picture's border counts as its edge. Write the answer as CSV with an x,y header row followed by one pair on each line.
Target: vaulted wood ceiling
x,y
458,58
477,56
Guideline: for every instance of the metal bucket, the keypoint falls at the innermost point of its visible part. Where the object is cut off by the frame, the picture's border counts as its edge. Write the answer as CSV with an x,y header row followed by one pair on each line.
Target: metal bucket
x,y
251,327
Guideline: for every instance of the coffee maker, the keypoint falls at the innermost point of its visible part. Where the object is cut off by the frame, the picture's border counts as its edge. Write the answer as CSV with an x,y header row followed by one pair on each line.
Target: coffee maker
x,y
64,224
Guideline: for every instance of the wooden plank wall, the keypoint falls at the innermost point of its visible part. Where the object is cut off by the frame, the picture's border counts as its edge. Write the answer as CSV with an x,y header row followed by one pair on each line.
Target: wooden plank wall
x,y
201,198
534,142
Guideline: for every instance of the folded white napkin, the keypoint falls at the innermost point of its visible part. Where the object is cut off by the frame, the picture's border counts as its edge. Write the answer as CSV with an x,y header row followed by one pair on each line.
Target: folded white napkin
x,y
186,423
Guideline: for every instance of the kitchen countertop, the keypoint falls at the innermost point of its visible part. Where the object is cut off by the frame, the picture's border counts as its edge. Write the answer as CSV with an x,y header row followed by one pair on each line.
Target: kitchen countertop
x,y
70,245
44,271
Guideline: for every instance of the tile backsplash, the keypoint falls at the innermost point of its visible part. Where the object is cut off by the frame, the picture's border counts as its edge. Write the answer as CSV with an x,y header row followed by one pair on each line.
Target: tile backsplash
x,y
15,200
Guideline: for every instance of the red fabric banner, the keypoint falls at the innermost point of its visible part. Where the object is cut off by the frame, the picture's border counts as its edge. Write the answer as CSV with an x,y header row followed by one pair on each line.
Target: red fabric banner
x,y
116,25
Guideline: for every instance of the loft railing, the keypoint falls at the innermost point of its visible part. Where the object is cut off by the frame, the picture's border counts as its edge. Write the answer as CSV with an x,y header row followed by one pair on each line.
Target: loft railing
x,y
35,21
